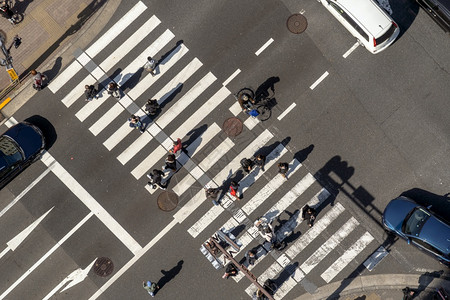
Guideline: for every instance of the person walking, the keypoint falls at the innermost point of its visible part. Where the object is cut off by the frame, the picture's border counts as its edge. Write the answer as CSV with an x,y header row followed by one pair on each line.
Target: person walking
x,y
90,92
283,168
234,190
152,107
171,163
150,65
150,287
135,122
247,165
156,179
177,146
230,270
6,12
309,214
259,295
212,194
260,161
38,79
113,89
250,257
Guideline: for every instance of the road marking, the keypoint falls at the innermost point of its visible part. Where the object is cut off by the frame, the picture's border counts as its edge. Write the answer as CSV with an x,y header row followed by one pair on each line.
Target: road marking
x,y
214,155
231,77
347,257
318,80
135,258
91,203
99,45
46,255
286,111
350,50
18,239
270,41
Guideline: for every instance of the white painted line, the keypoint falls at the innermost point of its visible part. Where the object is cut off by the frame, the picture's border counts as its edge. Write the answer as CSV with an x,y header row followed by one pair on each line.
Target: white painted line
x,y
205,220
315,231
147,163
287,285
347,257
76,92
135,258
24,192
235,108
164,66
319,80
192,205
106,119
232,76
286,111
350,50
134,148
270,272
216,154
181,105
46,255
203,139
270,41
91,203
251,122
178,80
124,48
183,184
117,136
116,29
312,261
99,45
200,114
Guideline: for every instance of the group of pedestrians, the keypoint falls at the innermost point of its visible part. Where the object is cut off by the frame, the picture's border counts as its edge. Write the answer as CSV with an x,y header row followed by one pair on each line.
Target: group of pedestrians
x,y
7,13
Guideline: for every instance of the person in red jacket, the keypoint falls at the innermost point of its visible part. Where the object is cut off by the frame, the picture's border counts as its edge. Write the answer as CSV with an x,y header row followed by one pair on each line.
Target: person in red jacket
x,y
177,146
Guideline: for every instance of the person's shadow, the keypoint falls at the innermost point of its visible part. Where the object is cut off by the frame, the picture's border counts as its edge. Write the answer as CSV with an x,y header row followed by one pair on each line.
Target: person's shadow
x,y
170,274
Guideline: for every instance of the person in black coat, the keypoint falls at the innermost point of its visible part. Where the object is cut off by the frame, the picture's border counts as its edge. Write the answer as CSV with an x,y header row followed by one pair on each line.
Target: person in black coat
x,y
309,214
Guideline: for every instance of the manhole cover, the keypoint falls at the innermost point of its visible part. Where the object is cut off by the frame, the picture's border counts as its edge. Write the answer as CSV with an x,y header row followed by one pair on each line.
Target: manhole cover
x,y
232,126
103,266
296,23
167,201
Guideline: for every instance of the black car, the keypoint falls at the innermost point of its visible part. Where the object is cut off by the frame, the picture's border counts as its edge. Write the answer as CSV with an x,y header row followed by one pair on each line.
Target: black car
x,y
20,146
439,10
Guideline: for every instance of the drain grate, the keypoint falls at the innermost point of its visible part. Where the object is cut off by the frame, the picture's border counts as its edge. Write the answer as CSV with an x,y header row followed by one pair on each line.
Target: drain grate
x,y
232,127
297,23
103,267
167,201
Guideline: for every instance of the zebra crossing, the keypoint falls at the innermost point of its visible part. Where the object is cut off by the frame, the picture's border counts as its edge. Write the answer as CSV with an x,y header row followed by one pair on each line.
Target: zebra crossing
x,y
199,170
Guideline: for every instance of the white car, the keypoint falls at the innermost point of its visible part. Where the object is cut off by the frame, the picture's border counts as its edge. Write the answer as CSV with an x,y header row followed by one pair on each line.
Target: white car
x,y
372,26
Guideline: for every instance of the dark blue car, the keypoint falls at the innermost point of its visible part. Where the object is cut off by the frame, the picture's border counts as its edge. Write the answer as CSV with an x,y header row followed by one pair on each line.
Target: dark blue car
x,y
20,145
418,226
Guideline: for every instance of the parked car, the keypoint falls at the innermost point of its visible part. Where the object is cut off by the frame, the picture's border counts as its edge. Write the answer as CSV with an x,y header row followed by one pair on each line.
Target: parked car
x,y
419,227
370,24
439,10
20,146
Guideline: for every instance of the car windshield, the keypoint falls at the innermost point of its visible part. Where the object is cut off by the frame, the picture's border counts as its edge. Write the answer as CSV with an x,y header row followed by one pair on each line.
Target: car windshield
x,y
9,151
414,221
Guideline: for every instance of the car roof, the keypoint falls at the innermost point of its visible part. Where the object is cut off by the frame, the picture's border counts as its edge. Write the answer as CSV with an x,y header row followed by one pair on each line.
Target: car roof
x,y
27,136
368,14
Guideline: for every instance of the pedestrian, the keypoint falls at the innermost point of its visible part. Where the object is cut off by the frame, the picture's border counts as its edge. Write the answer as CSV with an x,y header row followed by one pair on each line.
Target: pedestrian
x,y
269,235
259,295
309,214
212,246
135,122
270,286
260,161
234,190
90,92
283,169
150,65
177,146
152,106
6,12
150,287
156,179
212,194
38,79
250,257
171,163
247,164
113,89
407,293
230,270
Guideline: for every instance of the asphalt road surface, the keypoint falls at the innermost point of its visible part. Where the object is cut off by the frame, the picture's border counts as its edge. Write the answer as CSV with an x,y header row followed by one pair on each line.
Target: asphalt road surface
x,y
357,130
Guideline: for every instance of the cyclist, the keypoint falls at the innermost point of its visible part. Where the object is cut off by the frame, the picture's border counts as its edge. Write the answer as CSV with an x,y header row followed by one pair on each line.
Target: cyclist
x,y
246,102
6,12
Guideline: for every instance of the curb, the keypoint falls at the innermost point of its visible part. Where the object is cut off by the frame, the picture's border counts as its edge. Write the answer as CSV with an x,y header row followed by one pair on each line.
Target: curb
x,y
373,283
25,89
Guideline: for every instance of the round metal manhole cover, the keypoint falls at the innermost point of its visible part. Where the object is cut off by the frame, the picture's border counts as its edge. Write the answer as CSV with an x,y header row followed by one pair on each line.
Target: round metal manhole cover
x,y
167,201
297,23
232,126
103,266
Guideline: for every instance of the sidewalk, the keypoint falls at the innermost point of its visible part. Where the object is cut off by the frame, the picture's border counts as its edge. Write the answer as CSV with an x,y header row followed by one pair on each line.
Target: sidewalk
x,y
379,287
51,30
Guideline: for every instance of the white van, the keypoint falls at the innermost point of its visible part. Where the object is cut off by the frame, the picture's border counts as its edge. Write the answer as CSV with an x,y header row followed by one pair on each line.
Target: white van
x,y
371,25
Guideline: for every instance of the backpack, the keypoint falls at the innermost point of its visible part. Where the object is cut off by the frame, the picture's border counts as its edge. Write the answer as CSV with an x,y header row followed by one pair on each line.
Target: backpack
x,y
245,163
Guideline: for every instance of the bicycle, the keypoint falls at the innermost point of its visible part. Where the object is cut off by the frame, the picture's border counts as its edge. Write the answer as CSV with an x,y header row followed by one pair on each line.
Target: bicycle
x,y
260,107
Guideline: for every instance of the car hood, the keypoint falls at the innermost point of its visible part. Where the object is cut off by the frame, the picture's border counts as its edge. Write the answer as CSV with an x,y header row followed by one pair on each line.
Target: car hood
x,y
437,233
28,137
396,211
